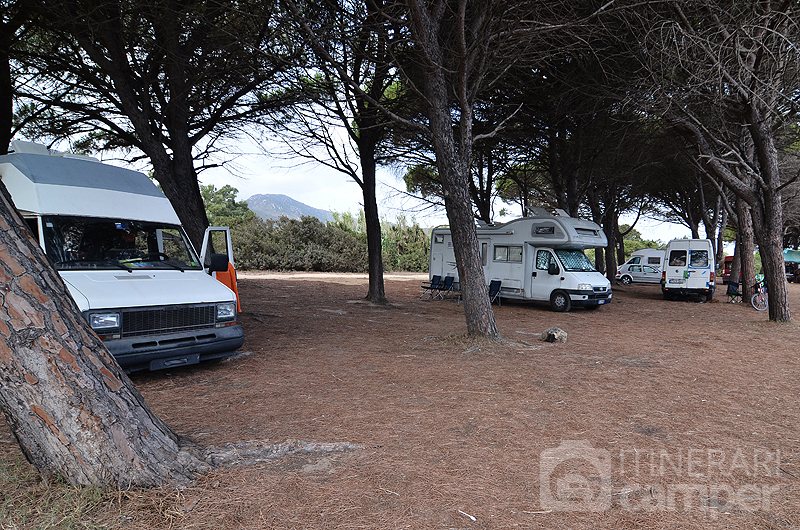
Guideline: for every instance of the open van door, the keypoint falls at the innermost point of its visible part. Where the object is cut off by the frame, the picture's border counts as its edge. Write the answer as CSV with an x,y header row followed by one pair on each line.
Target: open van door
x,y
217,258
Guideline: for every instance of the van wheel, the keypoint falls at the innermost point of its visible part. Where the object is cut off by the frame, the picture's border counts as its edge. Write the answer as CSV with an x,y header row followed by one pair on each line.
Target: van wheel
x,y
626,280
709,296
560,302
666,295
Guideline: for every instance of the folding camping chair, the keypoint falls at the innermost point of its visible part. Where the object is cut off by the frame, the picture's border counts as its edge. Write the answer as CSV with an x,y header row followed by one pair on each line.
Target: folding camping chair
x,y
733,292
430,288
444,288
494,291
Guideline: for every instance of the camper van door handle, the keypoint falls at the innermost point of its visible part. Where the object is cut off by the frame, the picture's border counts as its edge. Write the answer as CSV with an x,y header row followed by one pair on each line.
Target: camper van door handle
x,y
533,274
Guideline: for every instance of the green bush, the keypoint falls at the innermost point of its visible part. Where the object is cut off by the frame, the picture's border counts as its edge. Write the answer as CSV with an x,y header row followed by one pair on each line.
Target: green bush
x,y
297,245
338,246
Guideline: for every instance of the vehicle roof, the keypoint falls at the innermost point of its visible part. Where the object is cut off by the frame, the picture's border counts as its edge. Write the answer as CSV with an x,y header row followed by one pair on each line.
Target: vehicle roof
x,y
68,185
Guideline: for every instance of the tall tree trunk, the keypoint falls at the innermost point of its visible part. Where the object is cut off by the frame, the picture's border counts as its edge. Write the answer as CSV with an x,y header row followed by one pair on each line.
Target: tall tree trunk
x,y
610,228
768,215
747,251
453,164
178,180
597,217
720,256
6,96
736,264
376,293
73,410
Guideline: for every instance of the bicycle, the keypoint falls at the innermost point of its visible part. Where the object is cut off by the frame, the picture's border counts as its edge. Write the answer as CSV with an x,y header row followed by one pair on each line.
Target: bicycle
x,y
760,299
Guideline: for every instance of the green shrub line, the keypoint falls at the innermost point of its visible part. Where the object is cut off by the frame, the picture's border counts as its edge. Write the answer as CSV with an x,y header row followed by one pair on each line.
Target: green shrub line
x,y
308,244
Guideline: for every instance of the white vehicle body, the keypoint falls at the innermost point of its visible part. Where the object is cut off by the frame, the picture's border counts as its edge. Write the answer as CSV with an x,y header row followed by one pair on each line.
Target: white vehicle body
x,y
536,258
689,269
645,265
152,309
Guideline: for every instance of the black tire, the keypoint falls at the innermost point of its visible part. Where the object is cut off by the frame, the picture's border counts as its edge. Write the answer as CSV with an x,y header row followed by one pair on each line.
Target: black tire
x,y
626,280
666,295
709,296
560,302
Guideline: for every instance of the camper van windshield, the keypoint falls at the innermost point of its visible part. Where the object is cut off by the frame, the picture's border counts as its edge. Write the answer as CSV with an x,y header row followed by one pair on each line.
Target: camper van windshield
x,y
92,243
575,261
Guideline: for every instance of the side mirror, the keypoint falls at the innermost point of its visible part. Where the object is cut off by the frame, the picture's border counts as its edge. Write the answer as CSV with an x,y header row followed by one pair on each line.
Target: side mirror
x,y
552,269
219,263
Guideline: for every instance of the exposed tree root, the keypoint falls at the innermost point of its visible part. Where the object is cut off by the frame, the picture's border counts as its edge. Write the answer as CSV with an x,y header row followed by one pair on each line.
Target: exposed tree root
x,y
249,453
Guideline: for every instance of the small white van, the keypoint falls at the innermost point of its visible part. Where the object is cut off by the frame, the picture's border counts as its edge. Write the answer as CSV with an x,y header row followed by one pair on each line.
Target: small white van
x,y
537,258
645,265
119,246
689,269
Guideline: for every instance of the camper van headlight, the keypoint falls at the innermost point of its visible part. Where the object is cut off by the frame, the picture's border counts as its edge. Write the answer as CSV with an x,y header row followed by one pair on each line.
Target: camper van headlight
x,y
584,286
104,321
226,311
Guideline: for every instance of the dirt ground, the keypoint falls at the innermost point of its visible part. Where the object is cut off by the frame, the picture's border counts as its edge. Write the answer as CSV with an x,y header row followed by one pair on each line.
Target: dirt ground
x,y
653,414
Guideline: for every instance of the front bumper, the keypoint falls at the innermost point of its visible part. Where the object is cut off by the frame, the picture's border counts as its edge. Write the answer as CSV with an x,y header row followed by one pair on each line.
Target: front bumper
x,y
155,352
588,298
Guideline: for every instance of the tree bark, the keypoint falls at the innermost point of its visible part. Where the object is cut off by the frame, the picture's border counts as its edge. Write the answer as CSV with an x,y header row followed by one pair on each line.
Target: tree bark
x,y
721,237
72,409
376,293
6,97
453,163
747,249
178,180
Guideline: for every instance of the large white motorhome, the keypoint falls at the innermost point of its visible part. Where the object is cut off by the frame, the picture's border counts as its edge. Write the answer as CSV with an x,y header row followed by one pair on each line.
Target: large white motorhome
x,y
537,258
119,246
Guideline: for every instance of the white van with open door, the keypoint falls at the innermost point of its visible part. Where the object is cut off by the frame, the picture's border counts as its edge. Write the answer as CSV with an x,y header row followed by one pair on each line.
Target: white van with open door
x,y
119,246
689,269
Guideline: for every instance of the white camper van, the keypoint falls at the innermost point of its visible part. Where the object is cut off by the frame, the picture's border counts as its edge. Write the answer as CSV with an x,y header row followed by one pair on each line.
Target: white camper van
x,y
118,244
535,258
645,265
689,269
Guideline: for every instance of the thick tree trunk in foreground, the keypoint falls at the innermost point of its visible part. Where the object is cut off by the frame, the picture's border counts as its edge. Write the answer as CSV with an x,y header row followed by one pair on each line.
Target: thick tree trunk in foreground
x,y
73,410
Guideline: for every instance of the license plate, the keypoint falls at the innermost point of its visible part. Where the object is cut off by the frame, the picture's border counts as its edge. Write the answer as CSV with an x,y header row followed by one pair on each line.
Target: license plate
x,y
676,281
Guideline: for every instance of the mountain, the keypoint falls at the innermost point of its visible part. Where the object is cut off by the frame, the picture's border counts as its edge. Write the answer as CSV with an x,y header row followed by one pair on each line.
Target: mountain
x,y
272,206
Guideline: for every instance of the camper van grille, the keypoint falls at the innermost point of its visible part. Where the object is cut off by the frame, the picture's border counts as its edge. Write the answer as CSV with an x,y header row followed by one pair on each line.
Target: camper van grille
x,y
157,321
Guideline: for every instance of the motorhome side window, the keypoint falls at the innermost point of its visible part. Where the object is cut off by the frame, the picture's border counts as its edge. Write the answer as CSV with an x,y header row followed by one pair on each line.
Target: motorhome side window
x,y
94,243
654,260
635,260
511,253
698,258
677,258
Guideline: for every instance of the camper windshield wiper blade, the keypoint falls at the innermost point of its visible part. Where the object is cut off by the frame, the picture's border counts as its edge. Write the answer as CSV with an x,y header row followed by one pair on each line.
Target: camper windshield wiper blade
x,y
171,264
